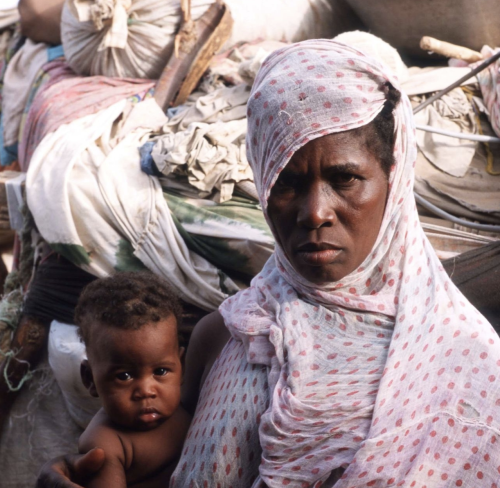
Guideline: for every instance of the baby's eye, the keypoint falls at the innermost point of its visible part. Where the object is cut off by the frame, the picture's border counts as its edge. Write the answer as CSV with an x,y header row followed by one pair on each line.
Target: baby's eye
x,y
124,376
160,371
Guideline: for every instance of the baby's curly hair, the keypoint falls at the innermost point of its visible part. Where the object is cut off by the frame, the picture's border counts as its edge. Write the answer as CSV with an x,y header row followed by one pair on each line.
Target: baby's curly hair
x,y
127,301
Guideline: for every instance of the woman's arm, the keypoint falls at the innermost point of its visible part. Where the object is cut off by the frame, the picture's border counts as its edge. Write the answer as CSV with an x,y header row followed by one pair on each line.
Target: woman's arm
x,y
111,475
70,471
207,341
41,19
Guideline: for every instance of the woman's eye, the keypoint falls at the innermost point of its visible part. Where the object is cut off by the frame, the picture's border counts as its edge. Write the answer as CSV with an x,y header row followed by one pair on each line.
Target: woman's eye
x,y
345,178
124,376
286,182
160,371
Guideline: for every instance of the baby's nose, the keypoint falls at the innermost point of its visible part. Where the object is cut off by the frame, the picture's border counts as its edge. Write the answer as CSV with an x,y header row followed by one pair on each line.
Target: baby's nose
x,y
145,389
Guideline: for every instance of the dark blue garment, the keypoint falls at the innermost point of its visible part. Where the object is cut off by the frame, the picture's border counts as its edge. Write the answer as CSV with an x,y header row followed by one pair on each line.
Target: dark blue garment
x,y
147,163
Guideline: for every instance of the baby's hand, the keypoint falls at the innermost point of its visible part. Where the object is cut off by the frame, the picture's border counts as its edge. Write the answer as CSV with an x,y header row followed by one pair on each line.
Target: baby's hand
x,y
67,471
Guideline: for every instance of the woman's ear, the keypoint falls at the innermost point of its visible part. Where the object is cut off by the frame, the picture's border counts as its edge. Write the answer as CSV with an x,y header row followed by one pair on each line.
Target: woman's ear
x,y
88,378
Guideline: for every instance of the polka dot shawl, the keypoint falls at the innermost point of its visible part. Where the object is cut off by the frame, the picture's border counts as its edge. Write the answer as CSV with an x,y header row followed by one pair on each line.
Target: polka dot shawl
x,y
391,373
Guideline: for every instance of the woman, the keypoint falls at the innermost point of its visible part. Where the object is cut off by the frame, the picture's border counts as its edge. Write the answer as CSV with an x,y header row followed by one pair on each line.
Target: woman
x,y
354,360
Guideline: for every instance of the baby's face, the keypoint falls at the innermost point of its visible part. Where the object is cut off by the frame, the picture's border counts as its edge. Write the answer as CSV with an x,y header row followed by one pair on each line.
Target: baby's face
x,y
137,373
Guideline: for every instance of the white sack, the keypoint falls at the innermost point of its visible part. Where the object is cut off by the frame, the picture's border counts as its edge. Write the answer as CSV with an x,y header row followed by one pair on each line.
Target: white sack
x,y
377,48
122,38
66,353
281,20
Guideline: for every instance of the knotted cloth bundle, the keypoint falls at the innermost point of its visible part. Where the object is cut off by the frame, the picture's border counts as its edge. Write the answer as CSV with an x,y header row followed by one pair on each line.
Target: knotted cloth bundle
x,y
122,38
390,373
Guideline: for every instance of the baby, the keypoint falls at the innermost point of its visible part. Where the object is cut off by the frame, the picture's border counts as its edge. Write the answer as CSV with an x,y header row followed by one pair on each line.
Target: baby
x,y
128,323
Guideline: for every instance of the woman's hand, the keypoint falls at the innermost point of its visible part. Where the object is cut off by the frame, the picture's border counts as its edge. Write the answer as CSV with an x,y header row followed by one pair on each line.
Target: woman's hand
x,y
67,471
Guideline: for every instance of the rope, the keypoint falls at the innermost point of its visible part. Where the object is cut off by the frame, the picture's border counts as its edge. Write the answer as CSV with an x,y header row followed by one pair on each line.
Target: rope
x,y
9,355
10,308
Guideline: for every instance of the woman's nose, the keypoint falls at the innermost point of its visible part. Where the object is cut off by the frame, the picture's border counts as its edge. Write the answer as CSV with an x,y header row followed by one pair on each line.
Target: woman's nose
x,y
317,208
144,388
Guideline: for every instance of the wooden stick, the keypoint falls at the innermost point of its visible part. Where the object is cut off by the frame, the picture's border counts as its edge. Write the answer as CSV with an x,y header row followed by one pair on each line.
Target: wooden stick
x,y
195,46
186,10
449,50
204,55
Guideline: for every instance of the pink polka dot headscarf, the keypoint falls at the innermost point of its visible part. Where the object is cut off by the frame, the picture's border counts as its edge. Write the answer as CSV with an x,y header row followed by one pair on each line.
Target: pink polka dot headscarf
x,y
390,374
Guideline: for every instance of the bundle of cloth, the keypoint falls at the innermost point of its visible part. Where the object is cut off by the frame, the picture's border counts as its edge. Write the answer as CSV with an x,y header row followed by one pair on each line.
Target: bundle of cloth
x,y
205,141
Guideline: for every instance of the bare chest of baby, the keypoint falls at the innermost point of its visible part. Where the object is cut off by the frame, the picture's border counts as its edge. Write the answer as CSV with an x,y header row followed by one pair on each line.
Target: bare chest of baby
x,y
138,459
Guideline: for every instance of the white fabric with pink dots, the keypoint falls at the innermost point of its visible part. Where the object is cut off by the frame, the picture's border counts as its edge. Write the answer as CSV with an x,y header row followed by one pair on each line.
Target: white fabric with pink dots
x,y
391,373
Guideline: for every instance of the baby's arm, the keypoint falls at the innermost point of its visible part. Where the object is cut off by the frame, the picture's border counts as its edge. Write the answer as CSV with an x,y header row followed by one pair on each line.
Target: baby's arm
x,y
112,474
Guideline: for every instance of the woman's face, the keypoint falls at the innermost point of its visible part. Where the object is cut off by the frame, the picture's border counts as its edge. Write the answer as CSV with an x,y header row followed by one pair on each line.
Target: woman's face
x,y
327,206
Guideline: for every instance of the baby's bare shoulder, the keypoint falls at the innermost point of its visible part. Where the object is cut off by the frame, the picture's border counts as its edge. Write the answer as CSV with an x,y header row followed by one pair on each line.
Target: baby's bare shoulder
x,y
100,433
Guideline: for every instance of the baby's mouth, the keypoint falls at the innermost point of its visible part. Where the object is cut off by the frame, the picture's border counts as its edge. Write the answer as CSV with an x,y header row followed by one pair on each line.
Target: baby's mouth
x,y
149,414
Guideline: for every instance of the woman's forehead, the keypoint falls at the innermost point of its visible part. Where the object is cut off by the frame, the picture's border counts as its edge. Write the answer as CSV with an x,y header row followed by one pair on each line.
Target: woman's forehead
x,y
343,151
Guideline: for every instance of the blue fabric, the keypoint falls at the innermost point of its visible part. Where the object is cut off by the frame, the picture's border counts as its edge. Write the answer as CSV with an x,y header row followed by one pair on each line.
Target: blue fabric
x,y
147,163
7,154
54,52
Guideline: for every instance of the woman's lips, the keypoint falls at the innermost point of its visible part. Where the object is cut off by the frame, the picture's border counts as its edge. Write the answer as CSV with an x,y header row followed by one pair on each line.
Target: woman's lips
x,y
314,254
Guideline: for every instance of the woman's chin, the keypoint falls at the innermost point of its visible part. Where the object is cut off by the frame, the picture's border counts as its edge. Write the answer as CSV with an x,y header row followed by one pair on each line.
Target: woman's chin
x,y
321,275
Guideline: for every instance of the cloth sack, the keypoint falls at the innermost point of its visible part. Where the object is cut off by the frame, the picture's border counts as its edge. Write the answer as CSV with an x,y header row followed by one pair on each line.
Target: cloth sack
x,y
66,353
379,49
123,38
286,20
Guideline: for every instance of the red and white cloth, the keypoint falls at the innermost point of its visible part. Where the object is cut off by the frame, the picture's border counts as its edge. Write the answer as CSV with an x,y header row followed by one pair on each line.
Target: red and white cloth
x,y
391,374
